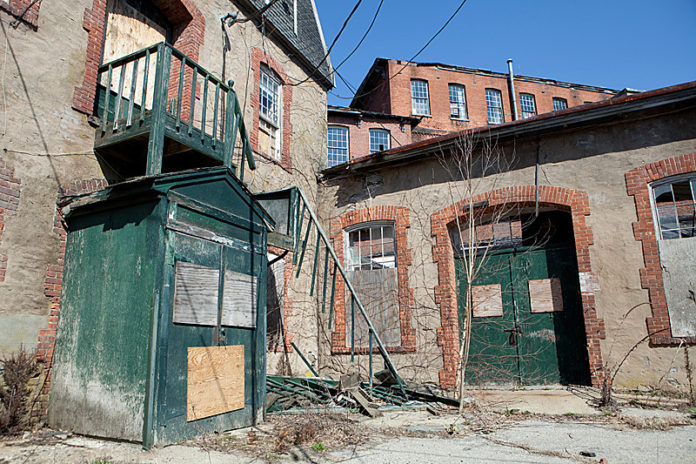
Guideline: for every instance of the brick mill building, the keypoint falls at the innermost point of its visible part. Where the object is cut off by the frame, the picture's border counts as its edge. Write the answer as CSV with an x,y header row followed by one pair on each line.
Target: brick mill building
x,y
443,98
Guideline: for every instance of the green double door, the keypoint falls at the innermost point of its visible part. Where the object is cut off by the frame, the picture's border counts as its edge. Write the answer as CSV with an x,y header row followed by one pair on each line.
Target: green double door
x,y
527,325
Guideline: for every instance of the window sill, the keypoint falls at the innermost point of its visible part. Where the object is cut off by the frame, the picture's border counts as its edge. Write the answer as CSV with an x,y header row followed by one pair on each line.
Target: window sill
x,y
459,119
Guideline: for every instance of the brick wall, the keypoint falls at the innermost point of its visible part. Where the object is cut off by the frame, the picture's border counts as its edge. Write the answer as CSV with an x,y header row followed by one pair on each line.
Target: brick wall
x,y
359,132
18,7
401,217
186,20
9,201
287,299
399,91
52,289
637,185
259,57
443,255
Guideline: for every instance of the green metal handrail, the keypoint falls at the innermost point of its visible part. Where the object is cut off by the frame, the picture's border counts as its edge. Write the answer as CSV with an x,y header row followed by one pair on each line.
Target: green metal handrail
x,y
174,93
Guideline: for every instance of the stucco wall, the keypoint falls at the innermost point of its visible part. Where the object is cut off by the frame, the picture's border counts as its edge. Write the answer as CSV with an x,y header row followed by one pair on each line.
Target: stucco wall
x,y
43,68
592,161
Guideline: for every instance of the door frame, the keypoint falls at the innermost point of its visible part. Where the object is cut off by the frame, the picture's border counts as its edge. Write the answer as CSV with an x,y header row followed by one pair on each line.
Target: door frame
x,y
574,201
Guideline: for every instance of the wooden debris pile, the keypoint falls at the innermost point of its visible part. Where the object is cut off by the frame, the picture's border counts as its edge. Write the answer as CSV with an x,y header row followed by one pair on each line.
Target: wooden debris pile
x,y
287,393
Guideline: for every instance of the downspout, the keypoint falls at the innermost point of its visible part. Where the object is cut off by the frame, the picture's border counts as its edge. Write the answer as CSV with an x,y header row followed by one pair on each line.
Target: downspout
x,y
513,96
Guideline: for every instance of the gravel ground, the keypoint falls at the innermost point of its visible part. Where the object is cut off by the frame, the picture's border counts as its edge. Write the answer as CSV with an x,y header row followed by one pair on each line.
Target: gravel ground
x,y
413,436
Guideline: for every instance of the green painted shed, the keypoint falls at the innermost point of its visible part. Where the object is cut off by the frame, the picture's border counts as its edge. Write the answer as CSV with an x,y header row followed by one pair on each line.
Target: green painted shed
x,y
162,326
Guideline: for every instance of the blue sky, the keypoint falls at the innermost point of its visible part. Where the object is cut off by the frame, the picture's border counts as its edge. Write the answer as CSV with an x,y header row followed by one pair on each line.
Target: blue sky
x,y
611,43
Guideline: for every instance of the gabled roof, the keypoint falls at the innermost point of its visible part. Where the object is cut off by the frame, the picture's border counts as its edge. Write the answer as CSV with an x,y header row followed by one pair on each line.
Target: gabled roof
x,y
307,44
619,108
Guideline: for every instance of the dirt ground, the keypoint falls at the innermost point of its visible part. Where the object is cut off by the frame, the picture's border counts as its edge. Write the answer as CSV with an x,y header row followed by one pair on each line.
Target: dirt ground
x,y
551,426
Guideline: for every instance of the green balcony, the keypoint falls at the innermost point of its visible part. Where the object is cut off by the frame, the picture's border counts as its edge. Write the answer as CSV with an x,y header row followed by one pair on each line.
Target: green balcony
x,y
161,112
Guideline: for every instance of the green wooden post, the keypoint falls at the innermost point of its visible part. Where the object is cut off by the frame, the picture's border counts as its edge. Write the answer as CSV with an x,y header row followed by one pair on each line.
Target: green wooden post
x,y
155,145
333,293
143,99
370,348
298,232
205,106
131,102
230,131
326,276
352,328
304,248
216,131
314,267
105,116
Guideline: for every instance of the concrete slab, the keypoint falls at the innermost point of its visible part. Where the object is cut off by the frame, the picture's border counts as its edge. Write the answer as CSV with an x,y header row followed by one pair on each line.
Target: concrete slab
x,y
554,402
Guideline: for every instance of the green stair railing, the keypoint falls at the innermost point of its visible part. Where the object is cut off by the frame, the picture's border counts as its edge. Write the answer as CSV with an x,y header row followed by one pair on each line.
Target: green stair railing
x,y
178,98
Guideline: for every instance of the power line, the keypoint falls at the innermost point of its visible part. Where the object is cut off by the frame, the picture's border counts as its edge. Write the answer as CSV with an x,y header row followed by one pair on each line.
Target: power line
x,y
343,27
449,20
374,19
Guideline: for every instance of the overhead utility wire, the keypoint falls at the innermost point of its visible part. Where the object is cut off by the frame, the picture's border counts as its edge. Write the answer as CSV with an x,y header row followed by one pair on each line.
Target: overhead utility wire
x,y
374,19
449,20
328,52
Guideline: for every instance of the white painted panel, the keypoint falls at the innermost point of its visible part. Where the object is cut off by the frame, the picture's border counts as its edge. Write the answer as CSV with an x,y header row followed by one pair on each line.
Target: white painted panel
x,y
678,260
195,294
239,300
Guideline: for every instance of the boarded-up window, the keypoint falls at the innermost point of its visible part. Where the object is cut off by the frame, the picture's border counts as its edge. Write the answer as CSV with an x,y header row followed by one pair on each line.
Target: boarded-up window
x,y
195,294
239,300
674,203
545,295
487,300
214,381
371,263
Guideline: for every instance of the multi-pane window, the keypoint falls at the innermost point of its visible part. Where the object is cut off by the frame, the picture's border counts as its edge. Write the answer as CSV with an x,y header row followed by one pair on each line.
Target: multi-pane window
x,y
379,140
372,269
420,103
457,99
269,114
559,103
338,145
494,103
674,204
371,247
527,105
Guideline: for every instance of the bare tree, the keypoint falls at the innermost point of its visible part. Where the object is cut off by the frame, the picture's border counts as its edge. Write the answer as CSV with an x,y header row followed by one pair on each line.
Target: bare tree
x,y
476,167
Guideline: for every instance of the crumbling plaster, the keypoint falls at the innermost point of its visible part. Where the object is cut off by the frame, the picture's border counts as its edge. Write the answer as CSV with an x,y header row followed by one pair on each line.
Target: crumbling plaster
x,y
591,160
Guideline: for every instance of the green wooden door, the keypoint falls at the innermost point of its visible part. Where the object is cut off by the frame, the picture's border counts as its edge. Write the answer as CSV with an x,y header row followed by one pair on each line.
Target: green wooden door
x,y
492,358
527,327
212,262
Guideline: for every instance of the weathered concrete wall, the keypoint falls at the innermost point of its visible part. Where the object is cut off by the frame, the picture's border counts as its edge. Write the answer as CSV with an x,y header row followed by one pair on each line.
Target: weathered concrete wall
x,y
43,68
592,161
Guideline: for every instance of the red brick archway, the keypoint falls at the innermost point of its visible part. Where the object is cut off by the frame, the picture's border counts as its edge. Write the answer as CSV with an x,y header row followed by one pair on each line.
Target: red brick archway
x,y
637,184
188,27
574,201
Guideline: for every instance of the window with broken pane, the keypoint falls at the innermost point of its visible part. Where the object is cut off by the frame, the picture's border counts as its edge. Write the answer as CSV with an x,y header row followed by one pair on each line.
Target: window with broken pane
x,y
674,204
371,262
371,248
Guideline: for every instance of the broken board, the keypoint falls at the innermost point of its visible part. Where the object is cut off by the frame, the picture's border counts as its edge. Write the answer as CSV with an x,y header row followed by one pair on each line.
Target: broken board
x,y
215,381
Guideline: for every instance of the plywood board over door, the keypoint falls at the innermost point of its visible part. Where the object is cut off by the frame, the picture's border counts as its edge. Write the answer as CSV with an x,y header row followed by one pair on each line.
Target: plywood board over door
x,y
215,381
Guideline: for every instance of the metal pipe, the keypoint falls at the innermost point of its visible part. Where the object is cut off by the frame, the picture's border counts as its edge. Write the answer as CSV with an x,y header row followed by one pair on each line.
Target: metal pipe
x,y
513,96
